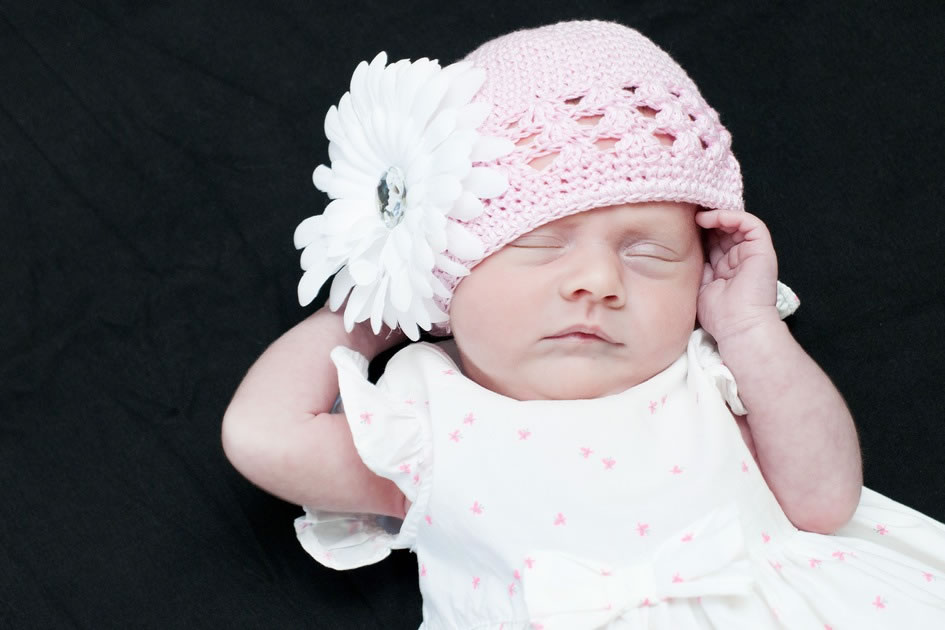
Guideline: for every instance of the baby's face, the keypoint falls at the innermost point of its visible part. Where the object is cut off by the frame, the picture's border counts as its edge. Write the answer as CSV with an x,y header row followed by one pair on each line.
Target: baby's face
x,y
630,273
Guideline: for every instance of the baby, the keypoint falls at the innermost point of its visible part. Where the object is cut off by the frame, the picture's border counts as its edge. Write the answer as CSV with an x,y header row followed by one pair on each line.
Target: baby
x,y
567,206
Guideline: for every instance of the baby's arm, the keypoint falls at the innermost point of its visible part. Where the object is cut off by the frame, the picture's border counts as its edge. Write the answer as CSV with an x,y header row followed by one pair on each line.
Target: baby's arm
x,y
278,433
803,433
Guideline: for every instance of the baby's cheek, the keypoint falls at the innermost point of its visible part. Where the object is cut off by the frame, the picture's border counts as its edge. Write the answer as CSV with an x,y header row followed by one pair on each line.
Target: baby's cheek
x,y
676,315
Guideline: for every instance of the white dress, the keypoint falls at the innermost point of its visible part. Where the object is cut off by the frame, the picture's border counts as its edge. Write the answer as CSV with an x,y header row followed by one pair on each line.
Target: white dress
x,y
643,509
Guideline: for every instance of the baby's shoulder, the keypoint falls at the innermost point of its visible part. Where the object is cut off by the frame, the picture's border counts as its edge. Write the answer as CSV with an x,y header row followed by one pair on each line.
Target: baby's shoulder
x,y
421,371
422,359
425,353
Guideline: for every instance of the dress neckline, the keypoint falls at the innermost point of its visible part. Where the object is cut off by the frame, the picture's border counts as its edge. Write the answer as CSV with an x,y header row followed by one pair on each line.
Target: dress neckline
x,y
671,374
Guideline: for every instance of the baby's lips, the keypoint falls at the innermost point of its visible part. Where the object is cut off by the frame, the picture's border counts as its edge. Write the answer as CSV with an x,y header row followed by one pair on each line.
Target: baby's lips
x,y
588,331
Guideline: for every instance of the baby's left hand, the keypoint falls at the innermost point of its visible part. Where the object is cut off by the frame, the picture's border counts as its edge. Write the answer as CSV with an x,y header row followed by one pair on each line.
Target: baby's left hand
x,y
739,283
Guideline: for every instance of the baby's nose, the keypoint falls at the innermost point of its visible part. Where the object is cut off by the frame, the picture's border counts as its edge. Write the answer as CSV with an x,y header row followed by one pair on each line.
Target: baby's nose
x,y
596,274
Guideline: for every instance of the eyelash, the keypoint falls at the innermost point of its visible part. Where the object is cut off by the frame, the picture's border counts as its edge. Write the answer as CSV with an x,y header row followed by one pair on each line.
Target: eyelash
x,y
657,254
653,254
526,245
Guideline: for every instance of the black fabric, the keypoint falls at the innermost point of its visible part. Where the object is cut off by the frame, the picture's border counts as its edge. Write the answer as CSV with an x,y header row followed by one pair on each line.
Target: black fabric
x,y
154,162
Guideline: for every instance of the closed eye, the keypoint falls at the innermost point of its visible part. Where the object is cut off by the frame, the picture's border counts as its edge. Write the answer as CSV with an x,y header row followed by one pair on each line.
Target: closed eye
x,y
537,241
648,250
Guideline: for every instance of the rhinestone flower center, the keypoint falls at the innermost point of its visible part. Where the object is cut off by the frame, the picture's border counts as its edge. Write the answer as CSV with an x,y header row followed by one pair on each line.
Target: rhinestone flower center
x,y
391,196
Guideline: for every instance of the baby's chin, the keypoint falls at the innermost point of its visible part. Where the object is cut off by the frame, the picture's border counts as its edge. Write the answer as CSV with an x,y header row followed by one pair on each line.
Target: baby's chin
x,y
568,386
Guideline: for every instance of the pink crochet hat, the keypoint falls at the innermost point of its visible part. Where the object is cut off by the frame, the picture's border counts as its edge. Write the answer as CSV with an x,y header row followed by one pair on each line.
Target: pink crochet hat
x,y
569,91
434,169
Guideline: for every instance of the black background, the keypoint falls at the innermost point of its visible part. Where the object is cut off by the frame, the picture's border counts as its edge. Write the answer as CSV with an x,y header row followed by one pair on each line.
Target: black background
x,y
155,161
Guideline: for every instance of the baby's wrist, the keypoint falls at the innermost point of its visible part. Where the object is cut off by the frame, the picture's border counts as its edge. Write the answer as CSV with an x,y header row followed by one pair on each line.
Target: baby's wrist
x,y
747,325
750,344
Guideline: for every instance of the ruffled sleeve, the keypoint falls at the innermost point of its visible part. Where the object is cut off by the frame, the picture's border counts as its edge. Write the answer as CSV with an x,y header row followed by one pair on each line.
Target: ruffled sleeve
x,y
787,301
709,359
707,355
392,437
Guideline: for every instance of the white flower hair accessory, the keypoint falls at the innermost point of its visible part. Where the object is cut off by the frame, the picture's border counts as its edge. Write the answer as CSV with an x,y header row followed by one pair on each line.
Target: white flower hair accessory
x,y
402,144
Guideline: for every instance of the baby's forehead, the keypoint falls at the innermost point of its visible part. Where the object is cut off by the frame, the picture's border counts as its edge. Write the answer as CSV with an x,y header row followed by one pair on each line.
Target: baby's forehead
x,y
658,218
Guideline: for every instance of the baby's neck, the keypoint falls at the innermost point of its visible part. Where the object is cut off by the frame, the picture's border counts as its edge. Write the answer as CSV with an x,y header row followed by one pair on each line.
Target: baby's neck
x,y
448,346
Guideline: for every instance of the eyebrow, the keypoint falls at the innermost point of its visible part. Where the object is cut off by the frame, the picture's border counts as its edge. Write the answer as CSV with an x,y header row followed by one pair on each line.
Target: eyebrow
x,y
651,226
652,229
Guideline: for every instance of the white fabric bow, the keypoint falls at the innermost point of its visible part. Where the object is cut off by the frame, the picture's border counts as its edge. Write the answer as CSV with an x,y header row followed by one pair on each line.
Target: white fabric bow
x,y
708,558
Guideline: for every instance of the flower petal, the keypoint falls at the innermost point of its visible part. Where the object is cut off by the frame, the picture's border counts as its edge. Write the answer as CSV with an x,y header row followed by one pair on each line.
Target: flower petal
x,y
341,214
473,115
418,74
359,75
438,287
341,168
389,317
424,255
322,179
466,208
438,315
375,77
314,256
345,188
403,243
428,98
489,148
333,128
485,183
451,267
400,290
385,94
307,231
377,308
356,310
382,138
421,284
352,244
465,83
363,271
434,314
435,231
369,237
409,141
443,190
313,279
421,314
462,243
410,329
439,129
356,144
386,128
341,285
418,170
452,156
359,91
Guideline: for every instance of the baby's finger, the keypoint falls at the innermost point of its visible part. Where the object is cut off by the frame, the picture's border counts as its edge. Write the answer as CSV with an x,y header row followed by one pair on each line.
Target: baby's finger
x,y
708,218
713,247
728,241
726,219
740,225
718,244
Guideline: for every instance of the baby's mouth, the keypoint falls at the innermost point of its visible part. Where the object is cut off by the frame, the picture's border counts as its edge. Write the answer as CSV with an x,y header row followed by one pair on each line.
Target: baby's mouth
x,y
582,334
578,337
